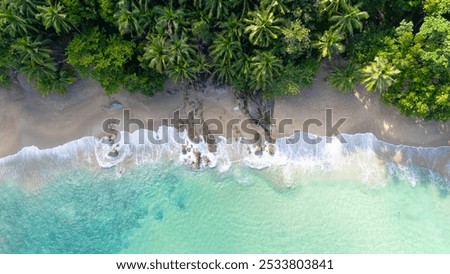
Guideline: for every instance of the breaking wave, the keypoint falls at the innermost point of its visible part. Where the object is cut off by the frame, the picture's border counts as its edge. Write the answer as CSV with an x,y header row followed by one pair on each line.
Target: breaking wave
x,y
362,157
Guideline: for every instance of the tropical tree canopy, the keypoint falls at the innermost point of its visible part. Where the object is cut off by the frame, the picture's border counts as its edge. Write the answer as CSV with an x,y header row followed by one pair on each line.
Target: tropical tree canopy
x,y
400,48
263,27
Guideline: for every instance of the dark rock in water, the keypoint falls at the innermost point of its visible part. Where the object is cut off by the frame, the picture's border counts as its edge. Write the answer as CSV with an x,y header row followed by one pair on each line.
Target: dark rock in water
x,y
206,160
212,147
259,151
113,153
183,149
109,139
198,159
196,140
271,149
115,105
257,138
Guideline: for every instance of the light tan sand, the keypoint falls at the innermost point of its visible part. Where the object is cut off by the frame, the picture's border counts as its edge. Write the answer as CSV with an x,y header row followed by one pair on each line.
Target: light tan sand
x,y
365,112
28,119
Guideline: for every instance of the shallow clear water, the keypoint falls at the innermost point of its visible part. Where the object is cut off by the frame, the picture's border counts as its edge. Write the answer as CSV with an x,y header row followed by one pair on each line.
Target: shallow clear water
x,y
165,207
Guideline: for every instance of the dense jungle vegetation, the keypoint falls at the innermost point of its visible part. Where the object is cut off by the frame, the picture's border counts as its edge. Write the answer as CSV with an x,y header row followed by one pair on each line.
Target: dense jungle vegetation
x,y
399,48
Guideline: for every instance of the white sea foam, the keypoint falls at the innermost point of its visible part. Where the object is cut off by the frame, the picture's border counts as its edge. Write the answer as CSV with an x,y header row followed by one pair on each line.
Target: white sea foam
x,y
363,157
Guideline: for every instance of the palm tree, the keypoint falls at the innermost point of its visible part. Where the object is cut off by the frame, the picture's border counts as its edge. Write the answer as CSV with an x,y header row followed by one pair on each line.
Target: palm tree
x,y
245,5
349,20
14,24
224,49
201,64
278,6
345,79
223,72
143,5
198,4
217,8
328,43
156,52
180,51
129,18
263,27
37,72
182,71
264,67
379,75
243,65
182,65
53,16
61,80
169,19
25,8
233,27
34,58
333,6
32,52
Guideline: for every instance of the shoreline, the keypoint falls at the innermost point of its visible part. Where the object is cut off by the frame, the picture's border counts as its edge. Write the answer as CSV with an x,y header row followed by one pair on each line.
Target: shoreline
x,y
27,119
363,158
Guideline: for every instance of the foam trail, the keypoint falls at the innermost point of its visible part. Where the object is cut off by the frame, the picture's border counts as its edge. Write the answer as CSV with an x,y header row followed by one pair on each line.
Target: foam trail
x,y
363,157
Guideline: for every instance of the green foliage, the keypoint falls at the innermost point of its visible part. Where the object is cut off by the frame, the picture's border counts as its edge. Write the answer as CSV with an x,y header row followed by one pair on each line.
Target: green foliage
x,y
217,8
307,69
101,56
81,12
175,57
130,18
277,6
293,78
330,7
14,19
387,13
259,46
329,43
96,50
224,49
264,67
263,27
6,61
57,82
434,41
169,20
296,38
54,16
350,19
233,27
156,53
379,75
366,46
419,86
146,83
437,7
33,57
106,9
201,30
345,78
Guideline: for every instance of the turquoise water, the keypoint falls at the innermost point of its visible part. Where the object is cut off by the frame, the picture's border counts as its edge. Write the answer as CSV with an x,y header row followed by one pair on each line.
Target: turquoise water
x,y
166,207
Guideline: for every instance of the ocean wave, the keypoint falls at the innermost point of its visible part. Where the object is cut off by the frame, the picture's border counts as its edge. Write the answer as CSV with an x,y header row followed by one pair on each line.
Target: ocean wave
x,y
362,157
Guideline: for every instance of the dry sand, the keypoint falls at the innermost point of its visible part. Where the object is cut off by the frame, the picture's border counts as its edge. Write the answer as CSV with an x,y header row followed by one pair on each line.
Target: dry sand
x,y
365,112
27,119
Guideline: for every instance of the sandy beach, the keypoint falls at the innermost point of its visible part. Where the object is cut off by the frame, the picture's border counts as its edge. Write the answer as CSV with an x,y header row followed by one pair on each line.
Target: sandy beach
x,y
28,119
